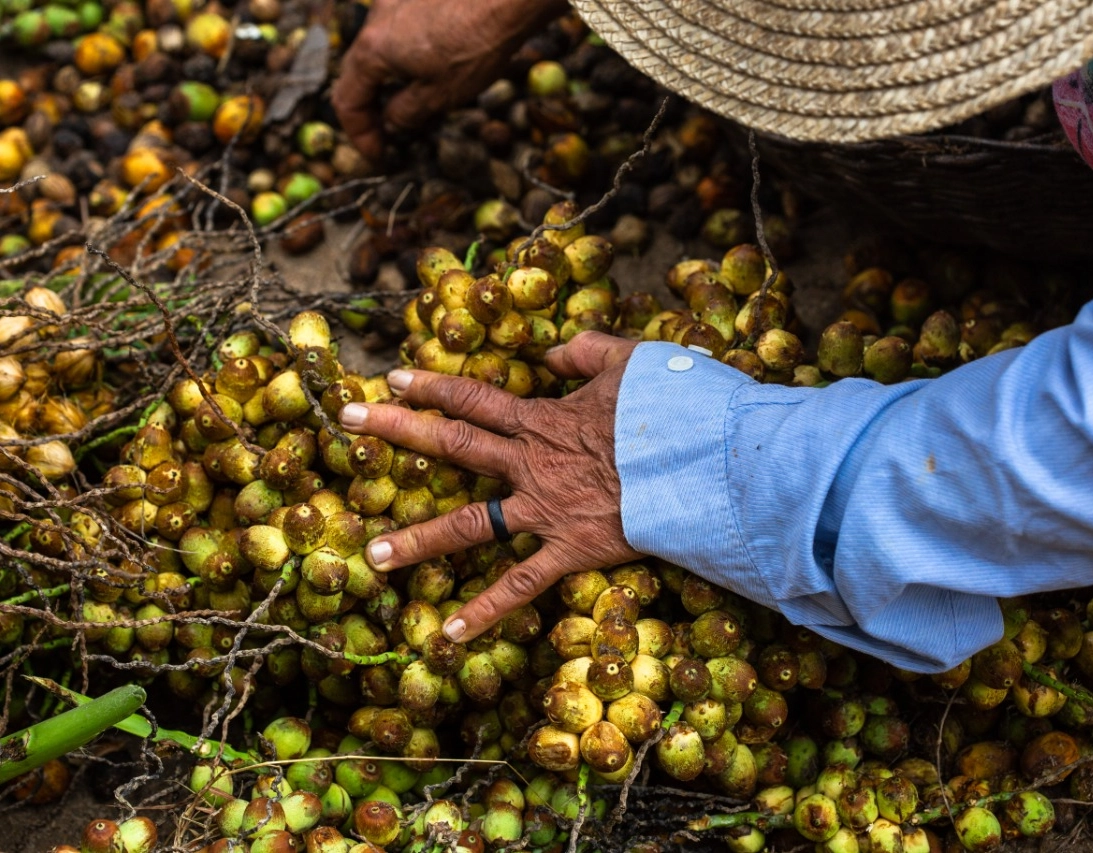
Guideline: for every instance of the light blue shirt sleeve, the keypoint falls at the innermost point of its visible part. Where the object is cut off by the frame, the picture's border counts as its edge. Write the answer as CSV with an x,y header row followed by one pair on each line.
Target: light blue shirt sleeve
x,y
886,518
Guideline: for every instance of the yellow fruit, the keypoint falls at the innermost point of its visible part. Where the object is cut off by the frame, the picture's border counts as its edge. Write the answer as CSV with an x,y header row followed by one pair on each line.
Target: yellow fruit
x,y
98,53
13,102
209,33
143,165
240,117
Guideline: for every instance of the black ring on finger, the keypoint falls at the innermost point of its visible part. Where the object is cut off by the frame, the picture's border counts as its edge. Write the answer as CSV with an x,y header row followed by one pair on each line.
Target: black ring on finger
x,y
497,520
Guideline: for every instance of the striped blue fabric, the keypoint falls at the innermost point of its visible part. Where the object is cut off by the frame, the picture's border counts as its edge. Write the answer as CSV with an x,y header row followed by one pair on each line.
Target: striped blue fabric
x,y
886,518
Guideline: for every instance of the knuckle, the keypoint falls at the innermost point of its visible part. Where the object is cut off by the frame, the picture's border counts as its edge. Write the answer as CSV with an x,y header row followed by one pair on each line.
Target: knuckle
x,y
454,438
524,582
469,523
464,395
408,542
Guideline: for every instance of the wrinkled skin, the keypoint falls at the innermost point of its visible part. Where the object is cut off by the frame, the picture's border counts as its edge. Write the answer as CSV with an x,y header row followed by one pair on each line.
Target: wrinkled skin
x,y
444,51
558,456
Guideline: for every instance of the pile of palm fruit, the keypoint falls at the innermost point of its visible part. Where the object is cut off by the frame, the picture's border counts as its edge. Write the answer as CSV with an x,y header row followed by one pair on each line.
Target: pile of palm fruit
x,y
185,512
244,591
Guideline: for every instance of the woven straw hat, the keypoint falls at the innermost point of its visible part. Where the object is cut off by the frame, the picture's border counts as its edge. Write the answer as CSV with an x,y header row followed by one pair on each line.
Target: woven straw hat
x,y
847,70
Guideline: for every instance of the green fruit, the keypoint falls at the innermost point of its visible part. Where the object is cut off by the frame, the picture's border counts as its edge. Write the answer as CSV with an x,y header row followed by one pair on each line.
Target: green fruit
x,y
738,776
303,810
884,736
998,666
744,268
299,187
885,837
546,79
857,808
212,783
325,571
816,818
419,688
939,339
887,360
715,634
1030,813
267,207
479,679
136,835
229,820
337,805
310,776
840,350
897,799
315,139
681,753
802,760
502,824
289,737
262,815
978,830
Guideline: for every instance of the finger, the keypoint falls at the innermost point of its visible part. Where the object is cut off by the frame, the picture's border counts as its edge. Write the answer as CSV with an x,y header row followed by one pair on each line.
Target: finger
x,y
588,354
461,528
518,586
478,402
412,106
355,97
454,440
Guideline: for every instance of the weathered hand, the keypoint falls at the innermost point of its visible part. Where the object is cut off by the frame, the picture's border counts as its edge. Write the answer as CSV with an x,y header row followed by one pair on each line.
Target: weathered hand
x,y
557,455
446,51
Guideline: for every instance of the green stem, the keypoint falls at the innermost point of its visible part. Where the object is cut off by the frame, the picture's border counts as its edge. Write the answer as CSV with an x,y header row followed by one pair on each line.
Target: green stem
x,y
1041,677
17,531
376,660
672,717
135,724
762,822
148,411
31,594
582,787
120,432
53,645
55,736
930,815
472,255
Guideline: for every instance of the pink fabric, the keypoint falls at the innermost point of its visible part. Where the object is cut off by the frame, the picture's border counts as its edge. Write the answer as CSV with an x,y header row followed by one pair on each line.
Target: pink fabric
x,y
1074,104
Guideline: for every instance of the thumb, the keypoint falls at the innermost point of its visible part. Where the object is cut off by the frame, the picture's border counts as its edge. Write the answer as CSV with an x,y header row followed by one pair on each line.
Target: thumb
x,y
518,586
588,354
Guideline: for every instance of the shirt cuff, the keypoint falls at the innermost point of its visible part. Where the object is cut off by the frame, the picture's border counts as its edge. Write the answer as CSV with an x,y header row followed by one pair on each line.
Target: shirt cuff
x,y
730,479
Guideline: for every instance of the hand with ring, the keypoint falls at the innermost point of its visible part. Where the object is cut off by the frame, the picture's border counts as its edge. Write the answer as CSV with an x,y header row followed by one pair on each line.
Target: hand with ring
x,y
558,456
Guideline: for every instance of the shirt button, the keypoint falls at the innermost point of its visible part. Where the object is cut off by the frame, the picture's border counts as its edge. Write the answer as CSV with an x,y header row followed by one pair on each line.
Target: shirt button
x,y
679,363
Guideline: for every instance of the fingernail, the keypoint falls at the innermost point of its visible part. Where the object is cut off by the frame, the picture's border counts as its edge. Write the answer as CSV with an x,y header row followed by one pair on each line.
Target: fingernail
x,y
553,350
454,629
353,415
399,380
380,552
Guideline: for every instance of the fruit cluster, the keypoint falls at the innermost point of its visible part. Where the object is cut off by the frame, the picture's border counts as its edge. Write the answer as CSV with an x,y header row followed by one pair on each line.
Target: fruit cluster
x,y
254,503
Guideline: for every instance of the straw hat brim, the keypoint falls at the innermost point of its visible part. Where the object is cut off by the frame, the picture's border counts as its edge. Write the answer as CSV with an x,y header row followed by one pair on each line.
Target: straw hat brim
x,y
847,70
